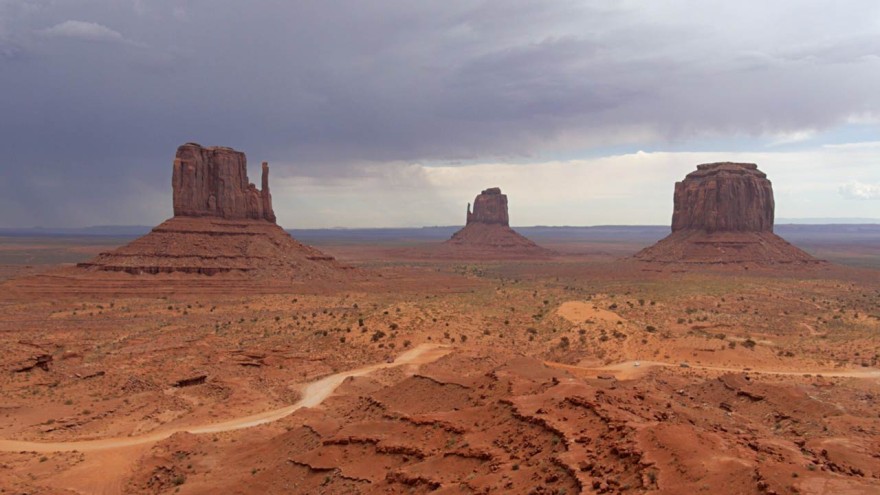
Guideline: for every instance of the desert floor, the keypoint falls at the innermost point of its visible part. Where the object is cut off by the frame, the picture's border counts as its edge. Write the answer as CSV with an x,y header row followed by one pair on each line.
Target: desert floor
x,y
582,373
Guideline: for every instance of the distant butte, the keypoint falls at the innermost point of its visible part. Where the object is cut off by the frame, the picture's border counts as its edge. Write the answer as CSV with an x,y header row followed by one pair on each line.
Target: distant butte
x,y
213,182
723,213
487,231
490,207
222,223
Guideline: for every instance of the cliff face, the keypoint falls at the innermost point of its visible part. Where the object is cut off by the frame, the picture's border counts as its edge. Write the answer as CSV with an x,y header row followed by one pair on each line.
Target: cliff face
x,y
723,214
724,197
487,233
213,182
490,207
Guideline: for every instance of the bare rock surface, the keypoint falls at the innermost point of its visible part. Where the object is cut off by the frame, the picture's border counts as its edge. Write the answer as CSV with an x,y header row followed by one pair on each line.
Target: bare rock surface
x,y
213,182
490,207
723,214
724,197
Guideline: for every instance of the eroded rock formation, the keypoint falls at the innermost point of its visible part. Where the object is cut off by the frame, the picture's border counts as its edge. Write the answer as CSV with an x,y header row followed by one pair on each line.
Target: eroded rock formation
x,y
490,207
213,182
487,233
724,197
222,224
723,214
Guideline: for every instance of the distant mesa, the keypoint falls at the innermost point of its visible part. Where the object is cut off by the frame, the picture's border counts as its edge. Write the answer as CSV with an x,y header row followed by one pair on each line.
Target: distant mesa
x,y
724,197
487,232
723,213
222,223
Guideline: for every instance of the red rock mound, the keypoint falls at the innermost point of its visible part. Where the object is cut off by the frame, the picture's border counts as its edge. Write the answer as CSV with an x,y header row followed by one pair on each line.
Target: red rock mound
x,y
487,233
210,245
221,224
723,213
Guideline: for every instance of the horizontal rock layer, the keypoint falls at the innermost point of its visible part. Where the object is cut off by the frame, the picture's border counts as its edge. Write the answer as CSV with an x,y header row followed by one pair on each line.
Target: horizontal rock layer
x,y
699,247
210,246
490,241
490,207
213,181
724,197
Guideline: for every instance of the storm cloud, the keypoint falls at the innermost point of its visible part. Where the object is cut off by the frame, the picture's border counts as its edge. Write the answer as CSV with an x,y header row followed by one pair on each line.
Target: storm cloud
x,y
96,94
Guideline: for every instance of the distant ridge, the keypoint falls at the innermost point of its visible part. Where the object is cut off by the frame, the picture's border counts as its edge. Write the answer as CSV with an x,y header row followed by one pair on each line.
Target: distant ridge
x,y
433,231
828,221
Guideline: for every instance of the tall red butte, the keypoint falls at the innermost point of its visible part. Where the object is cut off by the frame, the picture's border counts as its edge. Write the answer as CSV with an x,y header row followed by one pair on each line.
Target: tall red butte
x,y
222,223
487,232
723,213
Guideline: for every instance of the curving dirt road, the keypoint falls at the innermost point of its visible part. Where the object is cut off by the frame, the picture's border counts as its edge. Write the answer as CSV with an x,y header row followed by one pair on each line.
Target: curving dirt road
x,y
312,395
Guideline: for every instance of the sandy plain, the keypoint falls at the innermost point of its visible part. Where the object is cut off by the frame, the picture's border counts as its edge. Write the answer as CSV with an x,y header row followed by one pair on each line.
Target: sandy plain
x,y
575,374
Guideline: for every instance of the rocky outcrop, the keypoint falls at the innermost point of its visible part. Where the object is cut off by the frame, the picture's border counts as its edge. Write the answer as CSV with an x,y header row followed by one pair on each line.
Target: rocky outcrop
x,y
490,207
213,182
724,197
723,214
487,233
222,224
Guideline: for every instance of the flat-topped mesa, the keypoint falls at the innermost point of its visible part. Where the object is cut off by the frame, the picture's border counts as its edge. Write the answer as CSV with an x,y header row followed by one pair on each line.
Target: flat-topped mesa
x,y
724,197
490,207
213,182
723,214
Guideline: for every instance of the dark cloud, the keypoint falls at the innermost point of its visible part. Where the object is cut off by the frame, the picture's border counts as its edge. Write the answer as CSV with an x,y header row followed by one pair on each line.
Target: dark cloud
x,y
330,85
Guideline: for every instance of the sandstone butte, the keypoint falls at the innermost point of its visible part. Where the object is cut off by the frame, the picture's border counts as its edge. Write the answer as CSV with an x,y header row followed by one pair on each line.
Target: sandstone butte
x,y
487,231
213,182
723,213
222,223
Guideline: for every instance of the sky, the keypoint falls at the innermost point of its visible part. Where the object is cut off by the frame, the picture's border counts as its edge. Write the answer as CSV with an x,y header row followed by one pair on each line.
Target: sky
x,y
397,113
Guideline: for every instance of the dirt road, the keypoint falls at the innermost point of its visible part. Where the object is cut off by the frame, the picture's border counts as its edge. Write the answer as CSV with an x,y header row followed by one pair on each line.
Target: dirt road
x,y
312,395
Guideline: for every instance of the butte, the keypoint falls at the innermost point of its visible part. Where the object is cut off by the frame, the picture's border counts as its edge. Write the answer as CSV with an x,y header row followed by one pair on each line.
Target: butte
x,y
723,214
487,232
222,224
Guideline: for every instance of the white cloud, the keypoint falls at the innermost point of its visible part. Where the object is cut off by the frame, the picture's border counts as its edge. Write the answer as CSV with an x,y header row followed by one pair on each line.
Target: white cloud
x,y
791,137
864,118
86,31
861,145
858,190
634,189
